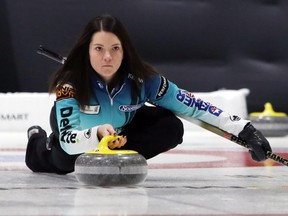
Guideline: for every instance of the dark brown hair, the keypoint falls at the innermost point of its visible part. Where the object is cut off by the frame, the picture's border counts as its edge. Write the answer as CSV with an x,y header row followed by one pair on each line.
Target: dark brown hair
x,y
76,67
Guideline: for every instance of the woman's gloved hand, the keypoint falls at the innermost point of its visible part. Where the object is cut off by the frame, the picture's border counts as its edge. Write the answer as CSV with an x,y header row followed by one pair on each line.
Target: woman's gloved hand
x,y
106,130
256,141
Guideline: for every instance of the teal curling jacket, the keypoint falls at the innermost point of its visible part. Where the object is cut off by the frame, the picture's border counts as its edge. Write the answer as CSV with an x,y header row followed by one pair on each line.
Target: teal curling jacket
x,y
78,126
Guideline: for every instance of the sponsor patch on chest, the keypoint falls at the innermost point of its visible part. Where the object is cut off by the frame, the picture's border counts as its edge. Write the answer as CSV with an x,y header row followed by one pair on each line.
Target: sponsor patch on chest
x,y
129,108
90,109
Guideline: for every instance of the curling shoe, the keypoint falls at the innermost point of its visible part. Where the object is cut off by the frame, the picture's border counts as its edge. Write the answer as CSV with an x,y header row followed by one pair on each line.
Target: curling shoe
x,y
35,130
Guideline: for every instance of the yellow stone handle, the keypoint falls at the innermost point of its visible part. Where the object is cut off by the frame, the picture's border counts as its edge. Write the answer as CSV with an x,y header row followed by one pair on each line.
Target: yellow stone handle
x,y
103,148
268,111
103,144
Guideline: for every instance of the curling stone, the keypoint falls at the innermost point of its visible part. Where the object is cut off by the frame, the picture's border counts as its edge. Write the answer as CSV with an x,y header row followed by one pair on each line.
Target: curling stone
x,y
269,122
106,167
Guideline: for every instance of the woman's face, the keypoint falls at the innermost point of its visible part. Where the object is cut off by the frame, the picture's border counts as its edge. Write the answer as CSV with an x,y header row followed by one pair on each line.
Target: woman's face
x,y
106,54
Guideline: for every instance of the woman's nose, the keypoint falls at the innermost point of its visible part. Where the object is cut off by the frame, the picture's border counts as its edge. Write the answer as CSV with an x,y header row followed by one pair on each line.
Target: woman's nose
x,y
107,56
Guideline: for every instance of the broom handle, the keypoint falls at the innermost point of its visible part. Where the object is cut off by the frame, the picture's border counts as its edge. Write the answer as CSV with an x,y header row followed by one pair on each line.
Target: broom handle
x,y
233,138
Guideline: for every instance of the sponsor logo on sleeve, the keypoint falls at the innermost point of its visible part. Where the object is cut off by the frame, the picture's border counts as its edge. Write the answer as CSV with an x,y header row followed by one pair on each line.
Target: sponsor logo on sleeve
x,y
87,133
163,88
189,100
65,134
214,110
65,91
235,118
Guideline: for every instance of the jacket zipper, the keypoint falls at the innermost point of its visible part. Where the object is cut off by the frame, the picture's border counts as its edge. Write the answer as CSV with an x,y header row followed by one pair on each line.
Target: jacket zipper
x,y
111,100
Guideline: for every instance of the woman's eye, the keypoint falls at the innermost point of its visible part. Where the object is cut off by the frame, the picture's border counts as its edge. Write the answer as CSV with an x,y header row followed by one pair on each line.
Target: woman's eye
x,y
98,48
116,48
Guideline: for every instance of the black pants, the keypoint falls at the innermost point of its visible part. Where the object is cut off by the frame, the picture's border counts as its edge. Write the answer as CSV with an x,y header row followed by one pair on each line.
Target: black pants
x,y
152,131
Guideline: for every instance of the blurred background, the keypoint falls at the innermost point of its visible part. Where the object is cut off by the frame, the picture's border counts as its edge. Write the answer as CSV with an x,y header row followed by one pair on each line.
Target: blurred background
x,y
201,45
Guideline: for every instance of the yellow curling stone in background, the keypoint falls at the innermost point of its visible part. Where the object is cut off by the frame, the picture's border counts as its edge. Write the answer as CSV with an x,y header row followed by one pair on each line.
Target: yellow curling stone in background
x,y
269,122
106,167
